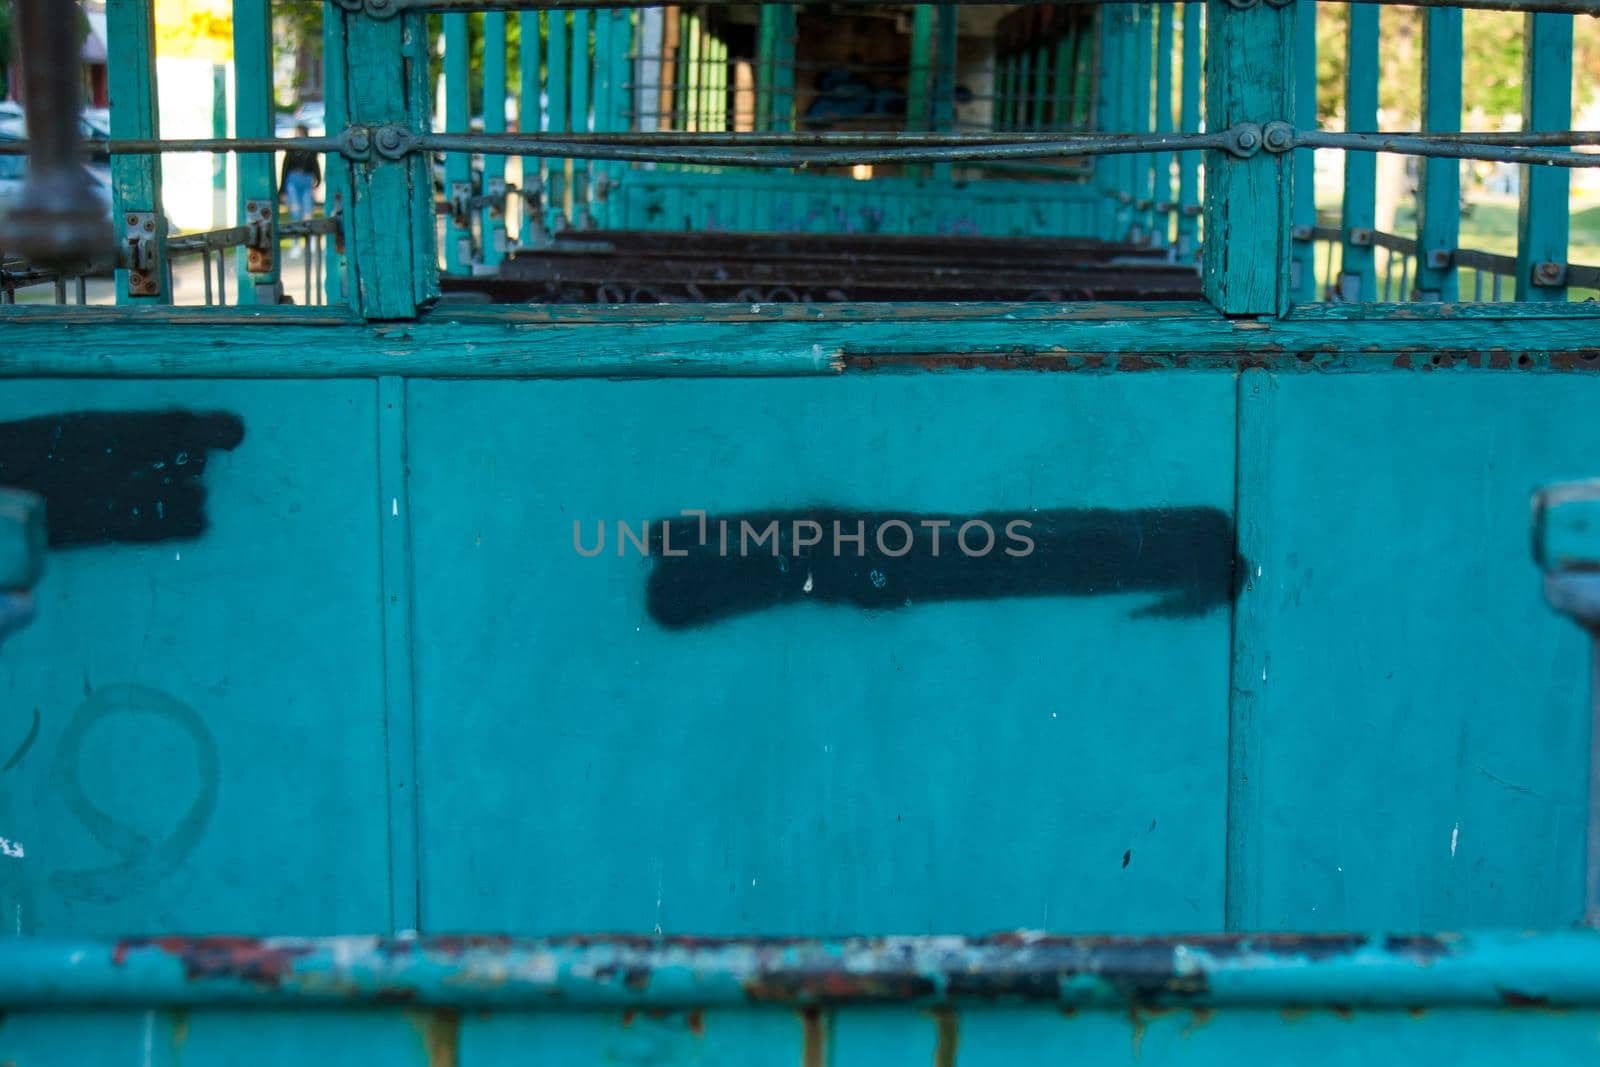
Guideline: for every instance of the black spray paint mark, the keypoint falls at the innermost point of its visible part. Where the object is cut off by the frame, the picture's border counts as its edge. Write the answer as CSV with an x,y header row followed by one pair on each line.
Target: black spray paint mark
x,y
117,476
1185,557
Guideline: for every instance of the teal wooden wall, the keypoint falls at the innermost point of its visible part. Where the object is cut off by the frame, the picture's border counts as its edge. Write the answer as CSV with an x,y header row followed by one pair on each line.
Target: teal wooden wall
x,y
1389,694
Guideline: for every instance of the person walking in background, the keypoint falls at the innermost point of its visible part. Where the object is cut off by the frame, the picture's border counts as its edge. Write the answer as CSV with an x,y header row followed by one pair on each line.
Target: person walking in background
x,y
301,174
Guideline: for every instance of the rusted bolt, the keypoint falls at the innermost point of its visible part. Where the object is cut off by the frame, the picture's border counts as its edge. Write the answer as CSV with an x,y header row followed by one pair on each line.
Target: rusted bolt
x,y
1278,136
1440,258
1359,236
1549,274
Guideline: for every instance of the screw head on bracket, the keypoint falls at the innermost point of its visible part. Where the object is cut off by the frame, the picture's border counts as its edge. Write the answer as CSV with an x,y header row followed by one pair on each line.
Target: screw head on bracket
x,y
1549,274
1277,136
1244,140
392,141
356,143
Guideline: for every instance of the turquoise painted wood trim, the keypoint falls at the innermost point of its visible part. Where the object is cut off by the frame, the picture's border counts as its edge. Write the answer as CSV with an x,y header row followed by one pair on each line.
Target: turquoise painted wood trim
x,y
1542,215
492,224
1189,122
399,707
783,92
601,98
920,74
1164,205
1127,119
1144,162
581,71
390,223
1249,61
253,116
531,117
458,252
516,342
1358,278
335,168
1302,248
944,77
766,50
558,185
1439,197
135,180
626,38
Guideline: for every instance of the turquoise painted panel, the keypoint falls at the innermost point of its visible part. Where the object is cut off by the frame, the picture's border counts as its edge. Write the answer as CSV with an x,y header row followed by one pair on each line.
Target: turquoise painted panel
x,y
961,766
206,714
1418,745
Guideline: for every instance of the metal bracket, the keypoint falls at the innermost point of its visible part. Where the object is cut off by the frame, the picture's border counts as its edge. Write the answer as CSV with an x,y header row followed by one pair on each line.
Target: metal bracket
x,y
1244,139
1549,275
494,197
1359,236
461,204
260,249
138,253
1301,233
355,143
1441,258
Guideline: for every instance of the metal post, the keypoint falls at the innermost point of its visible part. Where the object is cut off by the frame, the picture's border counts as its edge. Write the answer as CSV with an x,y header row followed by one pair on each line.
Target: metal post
x,y
136,180
557,80
1143,178
783,87
530,119
259,282
1542,214
1439,198
944,77
1358,279
581,43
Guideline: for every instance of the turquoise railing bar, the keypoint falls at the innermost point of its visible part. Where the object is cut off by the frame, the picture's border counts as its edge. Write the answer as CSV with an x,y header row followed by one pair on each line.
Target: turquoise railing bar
x,y
944,78
492,223
253,117
558,187
136,180
1189,122
530,118
1358,279
579,68
1163,204
335,168
1302,246
1439,197
1542,216
457,165
1143,163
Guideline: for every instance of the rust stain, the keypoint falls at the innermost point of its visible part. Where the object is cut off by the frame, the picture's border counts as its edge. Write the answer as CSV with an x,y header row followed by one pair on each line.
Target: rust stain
x,y
441,1038
947,1036
1514,999
697,1022
813,1040
1198,1017
1343,1011
628,1017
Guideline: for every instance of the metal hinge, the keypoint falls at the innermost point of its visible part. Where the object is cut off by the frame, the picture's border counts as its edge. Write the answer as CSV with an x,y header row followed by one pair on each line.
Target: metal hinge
x,y
138,253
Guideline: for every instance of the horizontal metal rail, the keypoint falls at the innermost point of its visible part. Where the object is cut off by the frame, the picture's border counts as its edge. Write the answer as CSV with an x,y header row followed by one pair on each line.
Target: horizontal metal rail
x,y
1557,969
386,8
803,150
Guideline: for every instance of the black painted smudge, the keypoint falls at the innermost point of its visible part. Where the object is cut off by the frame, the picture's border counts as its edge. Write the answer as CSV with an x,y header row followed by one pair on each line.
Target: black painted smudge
x,y
1184,556
117,476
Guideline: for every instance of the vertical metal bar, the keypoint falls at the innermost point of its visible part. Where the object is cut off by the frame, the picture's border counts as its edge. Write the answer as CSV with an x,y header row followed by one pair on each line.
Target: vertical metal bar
x,y
582,42
220,160
917,114
557,80
83,289
135,180
1128,117
493,222
1143,177
1543,208
1439,198
222,277
1107,169
1005,82
205,267
1162,195
457,117
253,117
61,288
1302,247
1357,268
1064,90
335,168
389,220
1189,122
1039,105
766,47
1249,73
